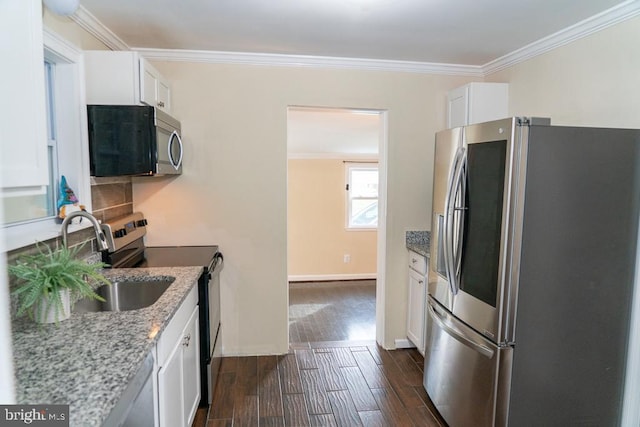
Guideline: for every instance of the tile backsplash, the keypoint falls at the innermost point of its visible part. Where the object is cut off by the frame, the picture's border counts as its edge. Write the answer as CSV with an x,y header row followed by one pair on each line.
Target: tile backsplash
x,y
111,197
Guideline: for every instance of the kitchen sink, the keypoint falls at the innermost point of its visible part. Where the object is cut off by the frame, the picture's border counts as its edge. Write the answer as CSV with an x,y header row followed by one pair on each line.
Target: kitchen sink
x,y
125,295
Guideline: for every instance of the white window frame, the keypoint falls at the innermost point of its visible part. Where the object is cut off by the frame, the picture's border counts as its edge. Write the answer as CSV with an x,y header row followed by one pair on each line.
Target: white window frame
x,y
350,166
73,147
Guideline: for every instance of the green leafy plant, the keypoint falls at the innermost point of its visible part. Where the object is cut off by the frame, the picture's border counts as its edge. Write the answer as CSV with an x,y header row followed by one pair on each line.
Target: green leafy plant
x,y
45,274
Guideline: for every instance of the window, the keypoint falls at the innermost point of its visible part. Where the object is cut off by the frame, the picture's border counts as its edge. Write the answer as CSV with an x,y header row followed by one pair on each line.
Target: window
x,y
36,205
29,216
362,195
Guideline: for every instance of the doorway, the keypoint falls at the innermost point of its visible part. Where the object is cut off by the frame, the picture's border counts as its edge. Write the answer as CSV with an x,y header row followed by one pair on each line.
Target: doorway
x,y
335,214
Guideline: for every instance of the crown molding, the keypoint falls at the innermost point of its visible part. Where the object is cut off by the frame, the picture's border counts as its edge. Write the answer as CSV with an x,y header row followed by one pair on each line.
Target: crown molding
x,y
626,10
613,16
266,59
93,26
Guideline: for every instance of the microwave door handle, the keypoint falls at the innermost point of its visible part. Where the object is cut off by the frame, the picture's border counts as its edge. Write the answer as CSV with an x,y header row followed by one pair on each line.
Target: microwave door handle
x,y
175,135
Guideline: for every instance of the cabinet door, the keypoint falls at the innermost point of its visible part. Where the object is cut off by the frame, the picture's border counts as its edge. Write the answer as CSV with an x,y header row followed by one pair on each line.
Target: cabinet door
x,y
148,83
154,90
457,106
163,100
112,77
191,368
23,151
170,379
416,309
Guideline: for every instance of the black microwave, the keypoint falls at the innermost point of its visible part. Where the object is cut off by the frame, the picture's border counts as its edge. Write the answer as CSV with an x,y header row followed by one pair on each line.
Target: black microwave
x,y
133,140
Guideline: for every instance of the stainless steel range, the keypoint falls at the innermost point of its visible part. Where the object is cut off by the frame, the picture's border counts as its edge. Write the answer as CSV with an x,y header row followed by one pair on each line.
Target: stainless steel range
x,y
125,238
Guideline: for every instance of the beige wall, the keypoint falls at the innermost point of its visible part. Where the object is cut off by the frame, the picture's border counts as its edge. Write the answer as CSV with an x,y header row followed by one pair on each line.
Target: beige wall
x,y
317,236
594,81
69,30
233,189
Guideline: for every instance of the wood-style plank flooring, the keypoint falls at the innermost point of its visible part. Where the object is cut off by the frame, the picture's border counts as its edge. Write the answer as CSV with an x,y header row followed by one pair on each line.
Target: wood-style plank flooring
x,y
321,382
332,311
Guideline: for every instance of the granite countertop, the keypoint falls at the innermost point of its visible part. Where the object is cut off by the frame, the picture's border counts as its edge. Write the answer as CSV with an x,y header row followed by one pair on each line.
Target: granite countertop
x,y
88,360
419,242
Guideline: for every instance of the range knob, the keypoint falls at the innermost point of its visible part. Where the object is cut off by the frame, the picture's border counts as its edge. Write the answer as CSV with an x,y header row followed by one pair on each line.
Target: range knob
x,y
141,223
120,233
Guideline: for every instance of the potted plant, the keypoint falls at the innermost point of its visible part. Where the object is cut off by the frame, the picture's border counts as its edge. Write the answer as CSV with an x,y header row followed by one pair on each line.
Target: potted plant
x,y
50,279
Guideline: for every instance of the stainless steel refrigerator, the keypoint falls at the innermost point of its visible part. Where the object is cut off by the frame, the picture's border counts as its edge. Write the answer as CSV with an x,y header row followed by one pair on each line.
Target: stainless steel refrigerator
x,y
531,275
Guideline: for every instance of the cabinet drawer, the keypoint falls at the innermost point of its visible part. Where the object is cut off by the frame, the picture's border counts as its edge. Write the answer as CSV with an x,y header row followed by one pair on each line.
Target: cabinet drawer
x,y
418,262
171,334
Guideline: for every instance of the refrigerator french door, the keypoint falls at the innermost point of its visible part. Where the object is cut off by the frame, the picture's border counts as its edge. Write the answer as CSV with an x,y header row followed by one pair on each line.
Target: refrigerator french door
x,y
475,168
532,273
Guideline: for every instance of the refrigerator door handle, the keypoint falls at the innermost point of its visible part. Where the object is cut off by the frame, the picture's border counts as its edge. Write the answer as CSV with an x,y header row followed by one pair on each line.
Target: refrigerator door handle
x,y
450,259
449,327
459,214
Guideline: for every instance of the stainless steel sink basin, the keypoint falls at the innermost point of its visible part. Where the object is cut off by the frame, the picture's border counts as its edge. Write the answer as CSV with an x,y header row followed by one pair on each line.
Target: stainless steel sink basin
x,y
125,295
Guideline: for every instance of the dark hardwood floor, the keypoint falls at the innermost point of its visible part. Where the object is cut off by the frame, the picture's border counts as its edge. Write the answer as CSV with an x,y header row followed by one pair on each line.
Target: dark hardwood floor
x,y
332,311
320,382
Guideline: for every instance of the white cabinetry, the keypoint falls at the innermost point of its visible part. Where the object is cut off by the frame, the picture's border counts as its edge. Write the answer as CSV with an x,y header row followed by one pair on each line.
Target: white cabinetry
x,y
416,315
178,375
124,78
476,103
23,132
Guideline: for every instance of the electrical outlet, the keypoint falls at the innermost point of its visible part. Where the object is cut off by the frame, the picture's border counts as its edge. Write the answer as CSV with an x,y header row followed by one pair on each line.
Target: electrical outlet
x,y
347,258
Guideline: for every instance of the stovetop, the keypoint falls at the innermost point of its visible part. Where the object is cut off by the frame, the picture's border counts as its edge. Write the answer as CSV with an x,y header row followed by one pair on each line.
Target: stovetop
x,y
125,238
178,256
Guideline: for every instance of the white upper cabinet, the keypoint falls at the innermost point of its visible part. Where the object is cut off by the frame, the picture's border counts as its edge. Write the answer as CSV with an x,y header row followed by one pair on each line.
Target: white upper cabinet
x,y
23,127
124,78
154,89
476,103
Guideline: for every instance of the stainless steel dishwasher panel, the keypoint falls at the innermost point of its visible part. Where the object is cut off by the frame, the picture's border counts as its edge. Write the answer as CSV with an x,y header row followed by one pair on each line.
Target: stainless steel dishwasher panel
x,y
135,407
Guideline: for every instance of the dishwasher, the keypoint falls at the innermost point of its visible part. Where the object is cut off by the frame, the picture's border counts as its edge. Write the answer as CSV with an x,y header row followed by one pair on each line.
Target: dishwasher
x,y
135,406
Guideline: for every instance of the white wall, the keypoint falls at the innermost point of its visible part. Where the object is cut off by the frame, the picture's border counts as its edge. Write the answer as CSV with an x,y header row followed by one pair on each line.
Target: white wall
x,y
233,189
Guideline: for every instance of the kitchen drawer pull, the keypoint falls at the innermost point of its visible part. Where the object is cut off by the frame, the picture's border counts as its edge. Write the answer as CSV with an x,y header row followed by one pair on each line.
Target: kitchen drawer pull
x,y
186,340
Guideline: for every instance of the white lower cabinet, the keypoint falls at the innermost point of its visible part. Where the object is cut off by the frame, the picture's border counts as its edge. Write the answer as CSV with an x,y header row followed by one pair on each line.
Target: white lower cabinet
x,y
416,316
178,374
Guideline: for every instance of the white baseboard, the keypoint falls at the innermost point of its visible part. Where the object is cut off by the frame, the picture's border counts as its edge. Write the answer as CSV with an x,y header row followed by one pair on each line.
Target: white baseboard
x,y
331,277
404,343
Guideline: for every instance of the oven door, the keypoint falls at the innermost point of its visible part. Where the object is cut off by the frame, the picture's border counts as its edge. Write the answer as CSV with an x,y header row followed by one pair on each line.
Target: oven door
x,y
215,330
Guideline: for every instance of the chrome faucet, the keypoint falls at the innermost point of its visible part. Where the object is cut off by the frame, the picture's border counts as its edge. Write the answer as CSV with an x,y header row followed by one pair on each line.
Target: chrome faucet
x,y
100,239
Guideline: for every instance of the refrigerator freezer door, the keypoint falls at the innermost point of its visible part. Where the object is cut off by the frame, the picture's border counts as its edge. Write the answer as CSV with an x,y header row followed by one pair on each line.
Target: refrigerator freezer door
x,y
462,370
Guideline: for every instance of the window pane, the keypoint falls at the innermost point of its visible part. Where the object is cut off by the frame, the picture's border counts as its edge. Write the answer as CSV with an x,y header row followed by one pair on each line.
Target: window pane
x,y
364,212
364,183
35,205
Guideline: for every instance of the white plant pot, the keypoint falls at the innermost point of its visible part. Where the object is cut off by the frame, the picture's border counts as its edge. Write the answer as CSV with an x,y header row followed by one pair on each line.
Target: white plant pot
x,y
45,312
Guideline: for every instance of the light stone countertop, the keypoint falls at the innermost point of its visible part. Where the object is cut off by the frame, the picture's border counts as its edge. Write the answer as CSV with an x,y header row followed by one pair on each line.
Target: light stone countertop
x,y
419,242
88,360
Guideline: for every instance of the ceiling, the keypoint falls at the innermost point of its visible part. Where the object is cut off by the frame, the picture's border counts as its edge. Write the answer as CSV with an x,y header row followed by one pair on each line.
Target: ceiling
x,y
470,32
332,132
